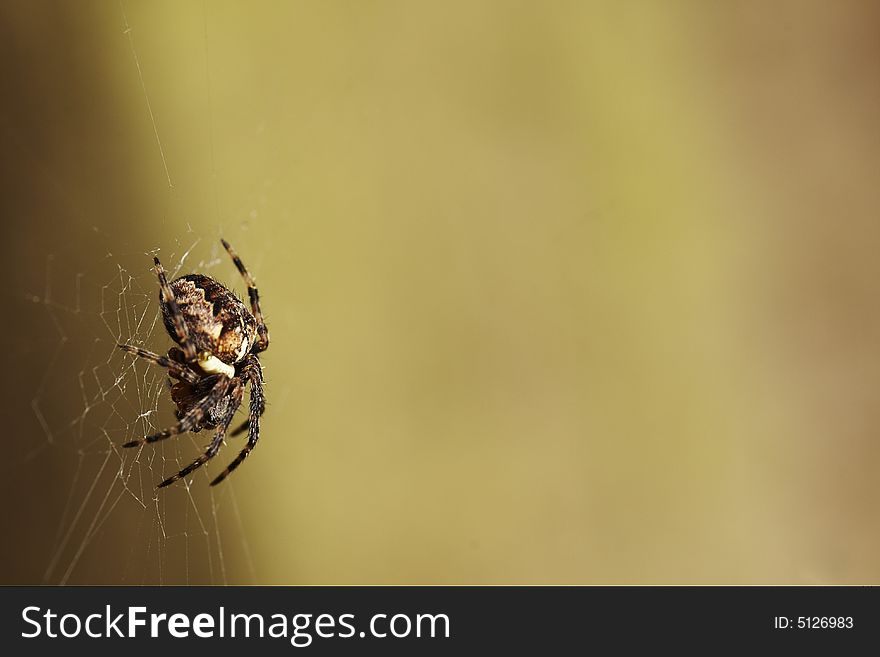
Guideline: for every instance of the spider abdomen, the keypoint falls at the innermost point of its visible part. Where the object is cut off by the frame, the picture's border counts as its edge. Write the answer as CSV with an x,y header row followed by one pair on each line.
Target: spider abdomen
x,y
216,320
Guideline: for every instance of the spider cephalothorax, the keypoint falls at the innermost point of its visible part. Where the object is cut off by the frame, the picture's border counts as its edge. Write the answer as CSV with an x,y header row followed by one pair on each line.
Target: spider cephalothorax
x,y
218,341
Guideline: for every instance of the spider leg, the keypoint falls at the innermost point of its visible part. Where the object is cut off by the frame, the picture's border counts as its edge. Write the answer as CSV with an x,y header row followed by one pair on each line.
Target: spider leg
x,y
189,349
191,419
247,423
258,404
214,447
262,330
173,367
241,429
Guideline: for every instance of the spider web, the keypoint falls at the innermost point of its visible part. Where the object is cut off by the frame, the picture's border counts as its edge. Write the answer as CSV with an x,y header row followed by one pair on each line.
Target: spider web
x,y
113,525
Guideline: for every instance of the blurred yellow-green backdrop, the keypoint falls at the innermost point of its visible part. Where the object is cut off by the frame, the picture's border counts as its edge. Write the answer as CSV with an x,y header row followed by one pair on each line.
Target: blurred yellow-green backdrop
x,y
559,292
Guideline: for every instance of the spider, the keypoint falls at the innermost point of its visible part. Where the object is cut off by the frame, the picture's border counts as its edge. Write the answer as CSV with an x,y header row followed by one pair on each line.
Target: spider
x,y
218,340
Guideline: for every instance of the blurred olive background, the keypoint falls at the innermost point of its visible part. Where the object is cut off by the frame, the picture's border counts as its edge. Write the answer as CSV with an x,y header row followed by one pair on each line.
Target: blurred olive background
x,y
567,292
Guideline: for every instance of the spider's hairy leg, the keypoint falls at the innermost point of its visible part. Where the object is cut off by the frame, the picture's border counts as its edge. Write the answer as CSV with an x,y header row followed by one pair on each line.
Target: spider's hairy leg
x,y
244,426
192,418
189,349
214,447
258,404
253,293
240,429
173,367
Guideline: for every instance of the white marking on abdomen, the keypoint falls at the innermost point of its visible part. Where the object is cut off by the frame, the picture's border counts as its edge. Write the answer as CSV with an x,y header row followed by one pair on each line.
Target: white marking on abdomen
x,y
210,364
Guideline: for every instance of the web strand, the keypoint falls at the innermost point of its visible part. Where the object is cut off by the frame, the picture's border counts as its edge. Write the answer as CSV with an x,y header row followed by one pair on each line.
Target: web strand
x,y
128,33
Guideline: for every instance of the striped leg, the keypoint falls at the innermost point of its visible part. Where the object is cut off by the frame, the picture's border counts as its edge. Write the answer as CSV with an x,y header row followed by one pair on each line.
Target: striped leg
x,y
244,426
257,405
191,419
189,349
174,368
214,447
262,330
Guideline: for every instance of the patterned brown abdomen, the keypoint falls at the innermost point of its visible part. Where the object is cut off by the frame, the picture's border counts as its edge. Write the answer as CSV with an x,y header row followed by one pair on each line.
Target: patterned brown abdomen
x,y
217,321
